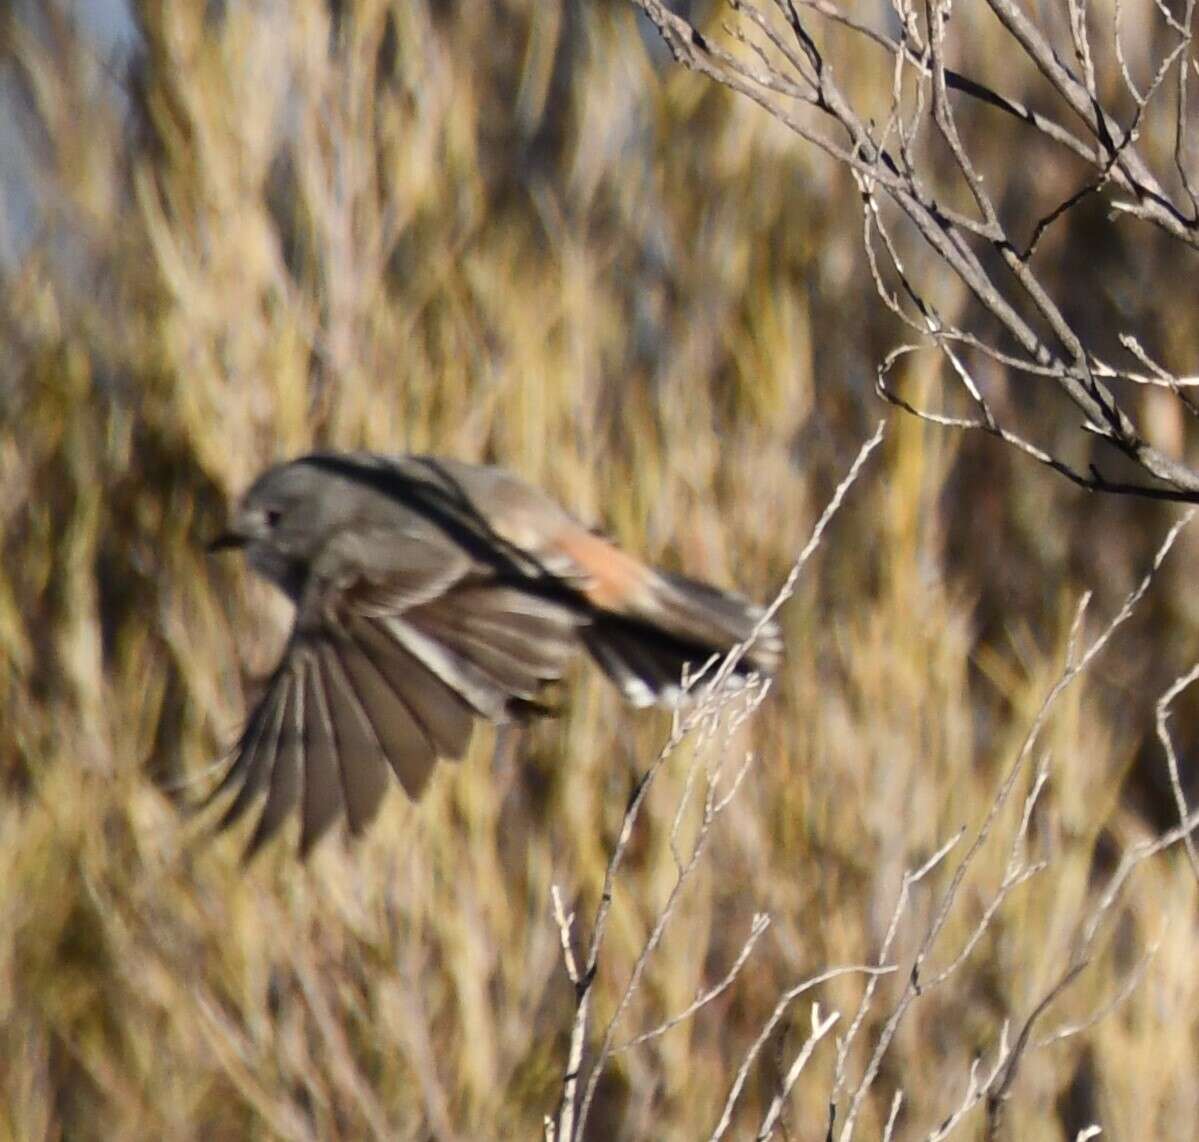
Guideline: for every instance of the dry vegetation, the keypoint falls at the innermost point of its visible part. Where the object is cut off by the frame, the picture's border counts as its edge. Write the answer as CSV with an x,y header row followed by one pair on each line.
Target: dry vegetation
x,y
514,232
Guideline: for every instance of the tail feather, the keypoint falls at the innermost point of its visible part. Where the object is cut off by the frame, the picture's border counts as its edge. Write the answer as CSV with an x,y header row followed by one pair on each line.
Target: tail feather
x,y
679,623
721,620
646,664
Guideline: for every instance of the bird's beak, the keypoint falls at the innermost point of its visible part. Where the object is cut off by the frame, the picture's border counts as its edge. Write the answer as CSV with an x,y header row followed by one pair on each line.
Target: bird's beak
x,y
225,541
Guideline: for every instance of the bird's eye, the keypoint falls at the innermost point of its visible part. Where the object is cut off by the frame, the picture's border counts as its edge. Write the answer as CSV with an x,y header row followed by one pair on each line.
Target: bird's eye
x,y
273,516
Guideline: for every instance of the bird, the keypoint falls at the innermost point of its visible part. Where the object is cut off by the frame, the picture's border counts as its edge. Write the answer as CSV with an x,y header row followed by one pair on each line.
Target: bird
x,y
430,593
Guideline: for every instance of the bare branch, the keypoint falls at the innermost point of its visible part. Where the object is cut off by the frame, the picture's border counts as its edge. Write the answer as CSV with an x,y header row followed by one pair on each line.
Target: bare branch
x,y
768,1028
1000,1086
1050,345
1163,734
977,1085
820,1028
715,707
1131,983
910,878
759,925
1075,665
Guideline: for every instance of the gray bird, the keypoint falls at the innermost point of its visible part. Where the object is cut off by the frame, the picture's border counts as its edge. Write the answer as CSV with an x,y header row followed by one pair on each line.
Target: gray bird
x,y
428,593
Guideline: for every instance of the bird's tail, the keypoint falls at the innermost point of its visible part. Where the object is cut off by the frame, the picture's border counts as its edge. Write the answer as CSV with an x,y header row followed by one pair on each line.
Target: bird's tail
x,y
678,622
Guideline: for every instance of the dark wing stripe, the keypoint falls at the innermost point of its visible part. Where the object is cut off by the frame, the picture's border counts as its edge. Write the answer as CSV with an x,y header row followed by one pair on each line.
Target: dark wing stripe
x,y
613,661
404,744
258,761
323,799
357,750
442,713
285,775
631,653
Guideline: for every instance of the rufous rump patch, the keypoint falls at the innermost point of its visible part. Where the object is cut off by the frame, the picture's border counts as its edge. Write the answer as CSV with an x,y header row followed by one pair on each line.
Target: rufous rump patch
x,y
615,581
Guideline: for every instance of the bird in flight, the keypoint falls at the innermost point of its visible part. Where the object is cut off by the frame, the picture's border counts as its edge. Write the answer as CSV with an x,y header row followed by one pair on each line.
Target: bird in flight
x,y
428,593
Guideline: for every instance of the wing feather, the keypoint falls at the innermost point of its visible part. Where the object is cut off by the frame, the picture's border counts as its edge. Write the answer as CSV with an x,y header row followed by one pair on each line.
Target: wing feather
x,y
360,762
540,632
243,752
406,630
285,774
443,715
475,686
408,751
323,797
508,673
258,759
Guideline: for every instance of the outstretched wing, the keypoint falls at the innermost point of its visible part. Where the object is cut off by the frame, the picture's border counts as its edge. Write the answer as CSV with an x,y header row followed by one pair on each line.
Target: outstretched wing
x,y
389,663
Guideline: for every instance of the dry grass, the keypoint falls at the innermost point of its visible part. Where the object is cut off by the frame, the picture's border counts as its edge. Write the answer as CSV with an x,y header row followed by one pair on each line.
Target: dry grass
x,y
498,231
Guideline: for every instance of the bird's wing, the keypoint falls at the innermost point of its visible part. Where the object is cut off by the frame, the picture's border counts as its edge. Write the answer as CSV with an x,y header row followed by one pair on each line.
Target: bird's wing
x,y
541,537
643,625
398,645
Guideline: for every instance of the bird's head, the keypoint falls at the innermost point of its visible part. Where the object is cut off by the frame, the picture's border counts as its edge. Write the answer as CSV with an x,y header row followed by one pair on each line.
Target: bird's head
x,y
279,523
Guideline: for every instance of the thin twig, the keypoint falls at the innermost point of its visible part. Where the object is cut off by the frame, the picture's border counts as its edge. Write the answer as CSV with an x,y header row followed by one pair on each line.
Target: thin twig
x,y
1163,734
780,1009
759,925
1076,665
820,1028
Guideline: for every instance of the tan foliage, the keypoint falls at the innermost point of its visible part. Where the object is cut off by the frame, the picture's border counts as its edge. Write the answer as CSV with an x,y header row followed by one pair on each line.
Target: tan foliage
x,y
503,232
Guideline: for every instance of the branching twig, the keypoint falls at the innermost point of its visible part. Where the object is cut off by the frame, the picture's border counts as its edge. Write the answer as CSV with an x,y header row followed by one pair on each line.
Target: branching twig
x,y
794,68
714,704
780,1009
1163,734
1077,662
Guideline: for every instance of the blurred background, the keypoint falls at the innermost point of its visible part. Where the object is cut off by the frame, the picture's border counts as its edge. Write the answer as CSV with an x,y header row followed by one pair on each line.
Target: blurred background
x,y
514,232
